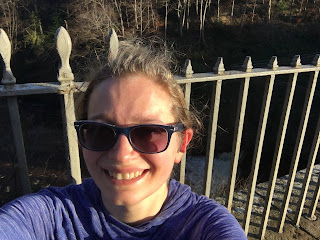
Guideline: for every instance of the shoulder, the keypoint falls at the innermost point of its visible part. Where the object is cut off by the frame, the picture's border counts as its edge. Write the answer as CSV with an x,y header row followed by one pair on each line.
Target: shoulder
x,y
38,215
57,197
51,196
205,217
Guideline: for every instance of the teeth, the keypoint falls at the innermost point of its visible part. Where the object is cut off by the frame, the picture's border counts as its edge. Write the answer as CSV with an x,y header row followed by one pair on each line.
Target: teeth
x,y
125,176
119,176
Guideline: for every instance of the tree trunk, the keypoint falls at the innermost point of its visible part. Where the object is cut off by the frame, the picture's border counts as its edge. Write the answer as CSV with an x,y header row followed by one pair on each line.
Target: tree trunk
x,y
141,24
218,9
166,22
253,10
136,14
208,2
118,8
197,7
148,15
127,17
153,16
182,16
232,8
188,15
200,16
203,12
11,21
269,10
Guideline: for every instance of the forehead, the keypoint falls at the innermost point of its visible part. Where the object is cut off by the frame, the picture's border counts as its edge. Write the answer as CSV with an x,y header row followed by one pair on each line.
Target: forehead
x,y
130,99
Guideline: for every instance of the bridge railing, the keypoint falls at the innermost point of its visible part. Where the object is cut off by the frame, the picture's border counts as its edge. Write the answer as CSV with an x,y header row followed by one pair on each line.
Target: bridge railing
x,y
66,87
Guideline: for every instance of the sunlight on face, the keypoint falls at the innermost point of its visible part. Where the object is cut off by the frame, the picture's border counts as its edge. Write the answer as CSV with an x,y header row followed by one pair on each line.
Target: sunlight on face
x,y
131,100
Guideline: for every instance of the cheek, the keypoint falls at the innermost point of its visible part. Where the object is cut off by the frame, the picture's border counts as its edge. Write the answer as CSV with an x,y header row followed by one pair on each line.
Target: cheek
x,y
175,143
91,157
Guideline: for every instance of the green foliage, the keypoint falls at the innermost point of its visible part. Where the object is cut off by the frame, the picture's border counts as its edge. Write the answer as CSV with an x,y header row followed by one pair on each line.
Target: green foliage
x,y
54,21
34,35
283,6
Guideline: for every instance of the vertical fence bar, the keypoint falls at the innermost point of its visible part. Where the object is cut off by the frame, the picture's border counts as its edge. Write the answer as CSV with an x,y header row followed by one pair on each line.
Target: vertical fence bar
x,y
214,112
213,123
187,72
314,201
19,144
298,146
242,103
310,165
8,81
278,151
315,198
259,144
307,178
65,77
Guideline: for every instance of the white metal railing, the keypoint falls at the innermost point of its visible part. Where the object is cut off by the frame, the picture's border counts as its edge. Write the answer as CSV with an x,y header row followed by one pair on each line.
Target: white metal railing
x,y
66,87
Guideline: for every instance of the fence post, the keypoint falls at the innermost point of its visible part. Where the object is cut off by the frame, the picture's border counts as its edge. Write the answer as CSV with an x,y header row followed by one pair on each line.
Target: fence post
x,y
8,81
213,124
286,109
298,145
187,73
65,77
259,143
241,110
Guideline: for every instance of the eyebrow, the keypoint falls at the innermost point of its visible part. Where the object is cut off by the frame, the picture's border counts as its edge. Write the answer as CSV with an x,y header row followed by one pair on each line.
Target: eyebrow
x,y
100,116
137,119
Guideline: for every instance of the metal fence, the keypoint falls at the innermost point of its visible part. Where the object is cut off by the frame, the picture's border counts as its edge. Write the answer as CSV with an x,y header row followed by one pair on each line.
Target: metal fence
x,y
66,88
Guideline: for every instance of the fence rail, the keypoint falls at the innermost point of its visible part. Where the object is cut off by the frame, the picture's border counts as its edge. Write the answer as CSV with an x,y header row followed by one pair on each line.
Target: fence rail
x,y
66,87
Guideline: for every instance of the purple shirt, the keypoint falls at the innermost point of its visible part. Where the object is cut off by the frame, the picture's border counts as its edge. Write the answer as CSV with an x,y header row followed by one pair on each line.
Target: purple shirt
x,y
77,212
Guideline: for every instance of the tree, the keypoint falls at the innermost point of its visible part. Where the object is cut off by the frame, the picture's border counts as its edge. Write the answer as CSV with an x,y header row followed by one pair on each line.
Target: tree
x,y
181,9
269,10
232,8
118,4
10,20
218,9
166,20
204,4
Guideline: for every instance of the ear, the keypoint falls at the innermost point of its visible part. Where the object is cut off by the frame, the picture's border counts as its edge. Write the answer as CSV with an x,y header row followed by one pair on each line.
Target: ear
x,y
188,133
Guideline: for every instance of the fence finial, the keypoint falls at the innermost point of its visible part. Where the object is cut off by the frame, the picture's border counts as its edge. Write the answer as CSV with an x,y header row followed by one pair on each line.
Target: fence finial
x,y
219,67
273,64
5,51
187,69
296,61
316,60
247,64
64,45
113,44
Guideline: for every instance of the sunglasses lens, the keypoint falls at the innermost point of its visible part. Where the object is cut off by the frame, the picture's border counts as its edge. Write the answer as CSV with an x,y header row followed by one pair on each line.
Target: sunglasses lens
x,y
151,139
96,136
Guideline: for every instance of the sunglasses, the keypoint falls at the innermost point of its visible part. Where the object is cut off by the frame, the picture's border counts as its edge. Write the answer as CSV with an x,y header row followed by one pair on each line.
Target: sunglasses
x,y
145,138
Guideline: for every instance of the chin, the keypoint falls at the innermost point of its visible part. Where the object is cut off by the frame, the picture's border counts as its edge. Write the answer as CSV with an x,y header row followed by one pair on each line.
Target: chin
x,y
124,199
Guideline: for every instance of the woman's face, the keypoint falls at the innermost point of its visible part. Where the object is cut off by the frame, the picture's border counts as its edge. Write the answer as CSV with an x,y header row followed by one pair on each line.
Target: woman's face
x,y
124,102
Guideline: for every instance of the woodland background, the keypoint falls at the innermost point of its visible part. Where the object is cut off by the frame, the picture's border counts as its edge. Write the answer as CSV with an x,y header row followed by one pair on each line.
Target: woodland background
x,y
201,30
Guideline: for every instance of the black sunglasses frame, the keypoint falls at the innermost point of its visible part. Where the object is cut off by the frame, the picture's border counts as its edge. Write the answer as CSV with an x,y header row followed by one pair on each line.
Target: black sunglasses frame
x,y
178,127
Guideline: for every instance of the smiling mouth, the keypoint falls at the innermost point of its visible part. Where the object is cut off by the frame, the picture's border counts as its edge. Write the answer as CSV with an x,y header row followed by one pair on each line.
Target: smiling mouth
x,y
125,176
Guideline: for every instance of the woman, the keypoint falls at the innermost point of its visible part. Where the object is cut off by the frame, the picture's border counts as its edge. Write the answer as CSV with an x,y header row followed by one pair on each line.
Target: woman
x,y
136,127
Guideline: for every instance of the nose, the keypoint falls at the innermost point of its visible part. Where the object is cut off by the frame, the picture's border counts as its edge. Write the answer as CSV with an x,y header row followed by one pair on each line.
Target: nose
x,y
122,151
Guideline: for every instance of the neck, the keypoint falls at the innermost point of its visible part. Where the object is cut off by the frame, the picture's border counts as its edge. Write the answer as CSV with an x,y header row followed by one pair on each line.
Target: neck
x,y
140,212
